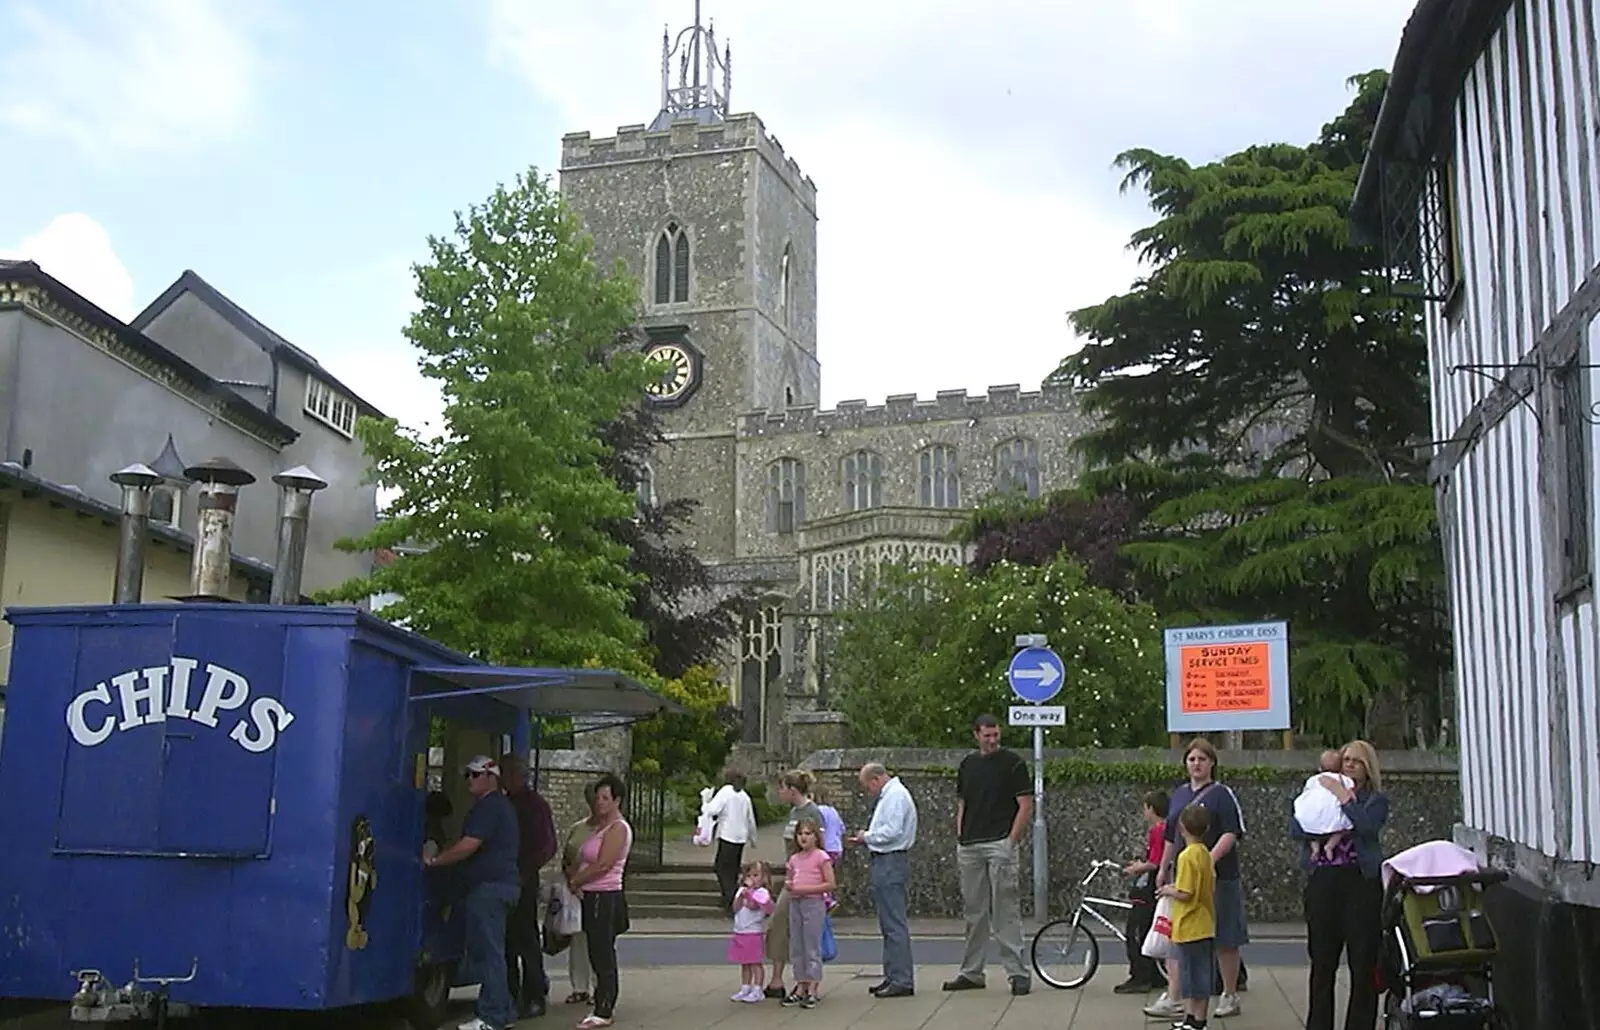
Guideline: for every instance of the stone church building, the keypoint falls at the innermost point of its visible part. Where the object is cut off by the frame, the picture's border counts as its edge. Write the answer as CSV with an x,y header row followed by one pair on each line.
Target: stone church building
x,y
719,225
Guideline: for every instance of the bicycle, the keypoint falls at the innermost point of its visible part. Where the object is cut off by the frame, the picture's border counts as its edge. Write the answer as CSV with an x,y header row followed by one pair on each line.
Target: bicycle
x,y
1077,929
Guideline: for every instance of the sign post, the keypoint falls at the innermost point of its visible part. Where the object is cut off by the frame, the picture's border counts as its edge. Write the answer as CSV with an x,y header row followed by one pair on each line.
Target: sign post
x,y
1228,678
1036,675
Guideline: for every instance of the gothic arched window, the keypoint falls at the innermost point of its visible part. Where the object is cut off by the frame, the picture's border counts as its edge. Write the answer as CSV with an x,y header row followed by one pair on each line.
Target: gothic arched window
x,y
863,480
939,479
1016,466
786,495
786,285
672,265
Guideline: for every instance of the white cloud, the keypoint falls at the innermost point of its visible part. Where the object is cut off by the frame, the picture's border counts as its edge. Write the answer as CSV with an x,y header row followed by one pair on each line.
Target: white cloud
x,y
76,249
986,133
126,76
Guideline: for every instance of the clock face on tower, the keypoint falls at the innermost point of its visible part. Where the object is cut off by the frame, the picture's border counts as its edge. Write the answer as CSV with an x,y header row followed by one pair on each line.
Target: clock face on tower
x,y
678,378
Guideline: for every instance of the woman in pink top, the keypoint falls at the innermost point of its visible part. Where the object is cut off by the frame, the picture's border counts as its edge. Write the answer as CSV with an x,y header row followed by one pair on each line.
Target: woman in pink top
x,y
598,881
809,877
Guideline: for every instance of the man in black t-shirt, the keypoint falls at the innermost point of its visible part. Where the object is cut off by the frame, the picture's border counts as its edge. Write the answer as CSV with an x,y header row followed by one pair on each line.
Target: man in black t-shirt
x,y
994,788
487,853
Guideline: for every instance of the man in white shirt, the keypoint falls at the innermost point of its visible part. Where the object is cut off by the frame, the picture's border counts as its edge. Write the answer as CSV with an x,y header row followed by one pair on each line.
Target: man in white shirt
x,y
736,827
889,838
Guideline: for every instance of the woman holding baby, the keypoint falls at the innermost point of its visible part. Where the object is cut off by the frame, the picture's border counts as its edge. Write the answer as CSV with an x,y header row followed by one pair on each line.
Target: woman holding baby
x,y
1344,892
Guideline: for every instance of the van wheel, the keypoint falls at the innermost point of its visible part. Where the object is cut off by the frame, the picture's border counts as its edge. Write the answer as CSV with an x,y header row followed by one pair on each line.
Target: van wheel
x,y
430,1001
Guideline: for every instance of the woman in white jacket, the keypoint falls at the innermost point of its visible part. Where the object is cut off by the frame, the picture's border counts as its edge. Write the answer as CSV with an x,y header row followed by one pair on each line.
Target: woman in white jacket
x,y
736,828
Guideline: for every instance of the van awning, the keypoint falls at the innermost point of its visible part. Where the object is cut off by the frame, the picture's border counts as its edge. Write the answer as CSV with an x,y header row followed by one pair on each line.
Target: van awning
x,y
547,692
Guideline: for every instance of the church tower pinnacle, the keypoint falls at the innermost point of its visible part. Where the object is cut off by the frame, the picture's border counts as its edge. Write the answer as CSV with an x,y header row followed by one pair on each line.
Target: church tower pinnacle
x,y
696,94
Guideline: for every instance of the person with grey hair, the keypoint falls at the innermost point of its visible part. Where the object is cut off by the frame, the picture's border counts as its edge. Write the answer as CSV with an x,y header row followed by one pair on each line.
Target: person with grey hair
x,y
889,839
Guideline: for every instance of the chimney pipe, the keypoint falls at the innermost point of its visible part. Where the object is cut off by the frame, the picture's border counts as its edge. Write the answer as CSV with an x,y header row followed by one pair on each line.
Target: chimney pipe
x,y
298,484
136,481
220,480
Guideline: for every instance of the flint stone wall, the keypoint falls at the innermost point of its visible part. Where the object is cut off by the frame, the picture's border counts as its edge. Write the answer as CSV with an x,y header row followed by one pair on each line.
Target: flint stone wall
x,y
1100,820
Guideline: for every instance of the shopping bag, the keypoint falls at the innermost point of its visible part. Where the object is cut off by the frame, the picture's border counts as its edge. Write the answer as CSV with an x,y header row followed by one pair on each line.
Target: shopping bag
x,y
830,947
563,915
1158,942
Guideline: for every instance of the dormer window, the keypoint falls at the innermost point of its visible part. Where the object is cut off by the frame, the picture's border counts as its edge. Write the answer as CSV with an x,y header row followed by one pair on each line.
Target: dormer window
x,y
329,407
166,505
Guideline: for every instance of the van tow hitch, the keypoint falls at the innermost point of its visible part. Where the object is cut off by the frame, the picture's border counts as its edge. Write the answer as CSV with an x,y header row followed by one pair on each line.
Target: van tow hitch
x,y
96,1001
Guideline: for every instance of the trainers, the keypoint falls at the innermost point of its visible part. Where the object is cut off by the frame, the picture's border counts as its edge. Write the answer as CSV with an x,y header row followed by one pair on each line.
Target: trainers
x,y
1163,1007
791,999
742,994
1020,985
1133,985
809,1001
475,1024
1227,1005
754,995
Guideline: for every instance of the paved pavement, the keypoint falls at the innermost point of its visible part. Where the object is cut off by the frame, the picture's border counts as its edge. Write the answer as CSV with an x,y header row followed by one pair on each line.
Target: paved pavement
x,y
695,998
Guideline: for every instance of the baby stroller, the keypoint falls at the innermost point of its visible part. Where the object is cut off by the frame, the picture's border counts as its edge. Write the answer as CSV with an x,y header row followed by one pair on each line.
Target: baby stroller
x,y
1438,944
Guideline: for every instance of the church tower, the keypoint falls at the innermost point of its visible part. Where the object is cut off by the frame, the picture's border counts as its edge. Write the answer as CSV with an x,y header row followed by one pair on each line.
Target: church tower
x,y
719,227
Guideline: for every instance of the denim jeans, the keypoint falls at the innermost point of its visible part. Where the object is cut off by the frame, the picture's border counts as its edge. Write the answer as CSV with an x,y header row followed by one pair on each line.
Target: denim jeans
x,y
886,880
488,905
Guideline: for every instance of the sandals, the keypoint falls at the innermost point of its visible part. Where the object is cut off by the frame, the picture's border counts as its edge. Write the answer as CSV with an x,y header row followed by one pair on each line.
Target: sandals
x,y
578,998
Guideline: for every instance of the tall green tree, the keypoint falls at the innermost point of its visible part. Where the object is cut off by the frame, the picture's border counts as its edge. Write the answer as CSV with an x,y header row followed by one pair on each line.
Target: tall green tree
x,y
532,349
1263,403
925,650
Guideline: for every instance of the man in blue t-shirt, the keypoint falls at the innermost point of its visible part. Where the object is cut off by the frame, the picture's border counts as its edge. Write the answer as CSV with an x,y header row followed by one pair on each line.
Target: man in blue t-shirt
x,y
487,854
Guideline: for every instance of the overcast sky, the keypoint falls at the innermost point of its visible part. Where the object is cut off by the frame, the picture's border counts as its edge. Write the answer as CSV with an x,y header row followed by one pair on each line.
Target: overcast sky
x,y
297,153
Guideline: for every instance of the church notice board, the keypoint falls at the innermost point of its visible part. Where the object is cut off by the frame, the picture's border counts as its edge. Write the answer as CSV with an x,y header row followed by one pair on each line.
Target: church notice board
x,y
1228,678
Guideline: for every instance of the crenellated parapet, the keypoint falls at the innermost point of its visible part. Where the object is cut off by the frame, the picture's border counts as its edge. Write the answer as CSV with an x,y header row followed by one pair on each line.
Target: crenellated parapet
x,y
685,137
907,409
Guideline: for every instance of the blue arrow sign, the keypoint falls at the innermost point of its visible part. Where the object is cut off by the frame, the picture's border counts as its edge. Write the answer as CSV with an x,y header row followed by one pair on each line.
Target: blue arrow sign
x,y
1036,674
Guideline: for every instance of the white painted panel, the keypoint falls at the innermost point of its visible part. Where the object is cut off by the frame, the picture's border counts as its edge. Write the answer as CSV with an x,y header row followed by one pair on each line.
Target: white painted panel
x,y
1538,88
1583,712
1563,127
1587,86
1521,672
1474,758
1530,593
1492,732
1505,679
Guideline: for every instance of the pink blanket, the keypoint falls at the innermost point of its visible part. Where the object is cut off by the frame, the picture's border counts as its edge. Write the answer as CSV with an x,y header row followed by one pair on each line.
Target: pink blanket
x,y
1435,858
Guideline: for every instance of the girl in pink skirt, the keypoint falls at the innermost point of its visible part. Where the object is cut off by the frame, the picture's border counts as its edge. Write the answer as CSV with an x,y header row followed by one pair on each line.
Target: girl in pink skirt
x,y
747,947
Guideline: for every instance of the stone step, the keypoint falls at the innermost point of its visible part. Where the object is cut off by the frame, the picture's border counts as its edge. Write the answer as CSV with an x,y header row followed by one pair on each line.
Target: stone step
x,y
639,909
653,895
674,880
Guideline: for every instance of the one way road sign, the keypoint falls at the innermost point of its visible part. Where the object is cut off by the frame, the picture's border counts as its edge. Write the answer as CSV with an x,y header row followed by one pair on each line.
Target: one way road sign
x,y
1036,674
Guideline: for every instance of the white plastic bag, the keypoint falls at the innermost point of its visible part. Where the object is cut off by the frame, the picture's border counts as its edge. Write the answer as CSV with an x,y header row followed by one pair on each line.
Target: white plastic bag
x,y
563,914
1158,942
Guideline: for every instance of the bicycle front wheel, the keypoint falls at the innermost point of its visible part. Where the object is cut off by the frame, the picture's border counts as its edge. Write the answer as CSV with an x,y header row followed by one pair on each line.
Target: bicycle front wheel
x,y
1065,954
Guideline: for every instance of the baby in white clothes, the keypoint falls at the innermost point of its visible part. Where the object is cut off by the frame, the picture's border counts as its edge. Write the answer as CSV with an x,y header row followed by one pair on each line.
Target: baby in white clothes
x,y
1319,813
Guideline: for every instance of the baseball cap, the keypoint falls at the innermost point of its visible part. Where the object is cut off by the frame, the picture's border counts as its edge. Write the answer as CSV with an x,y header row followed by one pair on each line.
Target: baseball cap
x,y
484,764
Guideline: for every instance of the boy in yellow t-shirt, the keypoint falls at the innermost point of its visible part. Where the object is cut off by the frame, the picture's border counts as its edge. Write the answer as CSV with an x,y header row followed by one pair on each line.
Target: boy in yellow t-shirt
x,y
1194,917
